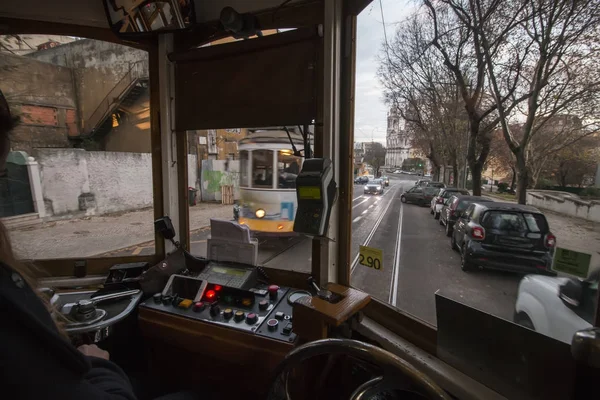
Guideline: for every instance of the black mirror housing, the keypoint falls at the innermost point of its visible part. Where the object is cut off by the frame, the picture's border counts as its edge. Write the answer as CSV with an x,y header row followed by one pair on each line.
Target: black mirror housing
x,y
571,293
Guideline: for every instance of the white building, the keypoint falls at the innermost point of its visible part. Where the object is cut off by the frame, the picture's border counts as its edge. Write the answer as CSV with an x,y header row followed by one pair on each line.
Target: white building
x,y
397,140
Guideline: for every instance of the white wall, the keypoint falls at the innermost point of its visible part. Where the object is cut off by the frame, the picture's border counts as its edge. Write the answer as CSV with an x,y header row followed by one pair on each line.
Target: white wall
x,y
589,210
114,181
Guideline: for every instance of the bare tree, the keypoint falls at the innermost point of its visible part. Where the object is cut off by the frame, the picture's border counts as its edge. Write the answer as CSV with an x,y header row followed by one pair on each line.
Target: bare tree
x,y
543,68
425,95
375,156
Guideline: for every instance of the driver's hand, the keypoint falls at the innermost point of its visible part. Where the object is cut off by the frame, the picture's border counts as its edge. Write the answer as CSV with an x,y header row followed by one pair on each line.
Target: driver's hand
x,y
94,351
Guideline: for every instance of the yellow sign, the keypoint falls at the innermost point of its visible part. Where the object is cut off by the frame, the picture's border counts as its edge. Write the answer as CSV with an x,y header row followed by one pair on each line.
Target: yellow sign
x,y
310,192
371,257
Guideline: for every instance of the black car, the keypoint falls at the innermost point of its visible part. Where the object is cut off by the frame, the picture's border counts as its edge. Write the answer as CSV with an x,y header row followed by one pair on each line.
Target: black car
x,y
374,186
437,203
454,207
438,185
361,180
419,195
507,236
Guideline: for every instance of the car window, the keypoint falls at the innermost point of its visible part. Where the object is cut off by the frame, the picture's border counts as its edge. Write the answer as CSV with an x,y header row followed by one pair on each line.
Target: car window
x,y
463,204
418,190
505,221
536,222
431,190
468,214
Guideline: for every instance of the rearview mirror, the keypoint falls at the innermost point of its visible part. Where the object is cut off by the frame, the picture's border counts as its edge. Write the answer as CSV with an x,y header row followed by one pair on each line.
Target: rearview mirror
x,y
570,293
139,18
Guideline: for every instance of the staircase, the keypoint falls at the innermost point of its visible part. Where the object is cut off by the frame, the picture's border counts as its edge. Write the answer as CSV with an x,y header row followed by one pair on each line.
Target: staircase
x,y
123,95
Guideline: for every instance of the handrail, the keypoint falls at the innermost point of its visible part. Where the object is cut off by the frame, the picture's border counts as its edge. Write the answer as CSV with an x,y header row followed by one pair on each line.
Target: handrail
x,y
137,70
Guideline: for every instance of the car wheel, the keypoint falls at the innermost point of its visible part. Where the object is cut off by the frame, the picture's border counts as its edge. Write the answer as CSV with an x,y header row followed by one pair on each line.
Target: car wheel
x,y
524,320
453,243
436,215
448,230
403,199
465,264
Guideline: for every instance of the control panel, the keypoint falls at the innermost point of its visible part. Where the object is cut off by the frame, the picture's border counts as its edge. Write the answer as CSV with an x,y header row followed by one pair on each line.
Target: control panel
x,y
265,310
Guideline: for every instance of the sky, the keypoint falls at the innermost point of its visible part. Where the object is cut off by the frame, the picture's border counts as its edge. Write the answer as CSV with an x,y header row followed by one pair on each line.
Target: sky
x,y
371,112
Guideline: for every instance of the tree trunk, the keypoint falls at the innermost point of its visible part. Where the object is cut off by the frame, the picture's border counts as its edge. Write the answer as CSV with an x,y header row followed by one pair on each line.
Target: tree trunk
x,y
476,170
514,178
522,178
455,174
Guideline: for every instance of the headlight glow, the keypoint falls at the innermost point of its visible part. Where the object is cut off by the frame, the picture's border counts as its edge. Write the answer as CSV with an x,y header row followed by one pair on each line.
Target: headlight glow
x,y
260,213
366,187
378,187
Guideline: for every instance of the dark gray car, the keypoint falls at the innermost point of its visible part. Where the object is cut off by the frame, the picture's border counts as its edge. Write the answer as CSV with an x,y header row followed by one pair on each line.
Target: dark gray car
x,y
454,207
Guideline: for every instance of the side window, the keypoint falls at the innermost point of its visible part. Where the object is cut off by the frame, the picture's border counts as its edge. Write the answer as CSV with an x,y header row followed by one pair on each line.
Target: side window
x,y
244,167
288,168
418,190
262,169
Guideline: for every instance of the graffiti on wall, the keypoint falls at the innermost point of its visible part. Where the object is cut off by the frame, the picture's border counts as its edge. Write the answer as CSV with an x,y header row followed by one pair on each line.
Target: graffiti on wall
x,y
217,173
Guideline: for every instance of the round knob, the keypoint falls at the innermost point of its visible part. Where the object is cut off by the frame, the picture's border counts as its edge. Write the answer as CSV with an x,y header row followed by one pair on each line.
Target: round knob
x,y
199,306
263,305
273,291
157,298
166,300
239,316
228,313
272,324
251,319
215,310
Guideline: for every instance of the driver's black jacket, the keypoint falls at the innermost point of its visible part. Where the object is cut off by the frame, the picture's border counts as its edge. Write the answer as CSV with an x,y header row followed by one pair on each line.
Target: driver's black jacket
x,y
36,362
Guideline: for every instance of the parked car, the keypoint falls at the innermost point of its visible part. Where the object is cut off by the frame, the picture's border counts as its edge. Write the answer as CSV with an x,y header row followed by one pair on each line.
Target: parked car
x,y
507,236
556,307
422,182
361,180
385,180
436,184
419,195
455,206
374,186
437,203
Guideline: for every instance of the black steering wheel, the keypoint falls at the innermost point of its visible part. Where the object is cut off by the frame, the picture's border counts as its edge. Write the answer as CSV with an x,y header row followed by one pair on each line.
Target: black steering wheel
x,y
396,373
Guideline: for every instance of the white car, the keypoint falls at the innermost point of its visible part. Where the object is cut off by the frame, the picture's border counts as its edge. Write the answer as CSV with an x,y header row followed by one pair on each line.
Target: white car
x,y
556,307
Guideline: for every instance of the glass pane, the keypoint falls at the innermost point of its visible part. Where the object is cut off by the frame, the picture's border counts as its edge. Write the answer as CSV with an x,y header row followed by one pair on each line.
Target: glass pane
x,y
288,167
411,124
262,169
228,158
79,180
244,168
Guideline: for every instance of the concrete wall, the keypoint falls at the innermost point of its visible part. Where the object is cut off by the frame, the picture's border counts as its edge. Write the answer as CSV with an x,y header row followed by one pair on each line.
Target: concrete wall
x,y
567,205
44,96
78,182
216,173
97,65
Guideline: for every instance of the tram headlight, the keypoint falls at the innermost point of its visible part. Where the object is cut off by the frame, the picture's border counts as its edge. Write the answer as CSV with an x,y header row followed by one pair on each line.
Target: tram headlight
x,y
260,213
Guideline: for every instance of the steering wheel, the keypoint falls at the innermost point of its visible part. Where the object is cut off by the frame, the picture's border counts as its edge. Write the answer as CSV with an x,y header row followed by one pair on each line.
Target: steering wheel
x,y
396,373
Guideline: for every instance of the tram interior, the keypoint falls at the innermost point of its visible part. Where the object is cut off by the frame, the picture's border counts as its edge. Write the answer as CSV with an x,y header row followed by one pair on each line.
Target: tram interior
x,y
176,321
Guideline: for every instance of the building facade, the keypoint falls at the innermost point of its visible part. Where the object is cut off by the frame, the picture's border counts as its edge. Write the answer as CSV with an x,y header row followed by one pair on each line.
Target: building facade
x,y
398,142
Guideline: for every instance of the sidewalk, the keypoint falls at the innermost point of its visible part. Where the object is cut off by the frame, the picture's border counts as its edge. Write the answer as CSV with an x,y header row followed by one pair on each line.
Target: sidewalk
x,y
87,237
571,233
